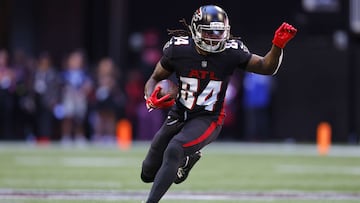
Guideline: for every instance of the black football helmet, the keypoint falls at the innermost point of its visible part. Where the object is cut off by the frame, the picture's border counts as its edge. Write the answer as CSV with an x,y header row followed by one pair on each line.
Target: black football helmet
x,y
210,28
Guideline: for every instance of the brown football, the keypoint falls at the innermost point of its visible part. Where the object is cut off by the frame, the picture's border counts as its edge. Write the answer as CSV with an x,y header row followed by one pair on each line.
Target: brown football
x,y
167,87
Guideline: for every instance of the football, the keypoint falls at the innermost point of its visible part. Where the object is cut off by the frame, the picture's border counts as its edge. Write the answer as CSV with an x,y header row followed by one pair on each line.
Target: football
x,y
167,87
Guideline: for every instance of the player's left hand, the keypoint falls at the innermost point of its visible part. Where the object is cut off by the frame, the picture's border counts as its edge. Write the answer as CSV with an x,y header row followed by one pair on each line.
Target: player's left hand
x,y
154,102
283,35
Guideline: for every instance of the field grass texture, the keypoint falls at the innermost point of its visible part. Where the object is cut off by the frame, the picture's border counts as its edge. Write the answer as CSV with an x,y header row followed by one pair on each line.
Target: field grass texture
x,y
227,172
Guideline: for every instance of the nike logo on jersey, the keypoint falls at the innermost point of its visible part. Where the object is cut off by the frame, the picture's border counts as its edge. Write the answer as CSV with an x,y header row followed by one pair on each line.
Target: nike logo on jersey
x,y
202,74
171,122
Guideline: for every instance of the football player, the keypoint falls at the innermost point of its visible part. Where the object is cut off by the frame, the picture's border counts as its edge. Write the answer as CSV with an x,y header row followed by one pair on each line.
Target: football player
x,y
203,57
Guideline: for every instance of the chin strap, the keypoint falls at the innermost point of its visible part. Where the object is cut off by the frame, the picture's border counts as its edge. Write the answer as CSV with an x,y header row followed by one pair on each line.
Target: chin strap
x,y
279,63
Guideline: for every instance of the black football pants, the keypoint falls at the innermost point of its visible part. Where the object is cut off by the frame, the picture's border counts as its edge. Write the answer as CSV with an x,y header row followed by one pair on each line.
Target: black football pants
x,y
175,140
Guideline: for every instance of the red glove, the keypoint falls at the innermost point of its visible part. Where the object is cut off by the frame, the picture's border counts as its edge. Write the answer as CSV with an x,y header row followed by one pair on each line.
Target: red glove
x,y
154,102
284,34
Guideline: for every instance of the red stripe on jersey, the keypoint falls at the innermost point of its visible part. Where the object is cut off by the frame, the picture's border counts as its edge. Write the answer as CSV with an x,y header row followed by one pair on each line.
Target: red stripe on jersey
x,y
203,137
221,117
207,132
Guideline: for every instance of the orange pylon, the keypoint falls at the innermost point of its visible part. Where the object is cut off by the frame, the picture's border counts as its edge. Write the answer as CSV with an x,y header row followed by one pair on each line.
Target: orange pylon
x,y
323,138
124,134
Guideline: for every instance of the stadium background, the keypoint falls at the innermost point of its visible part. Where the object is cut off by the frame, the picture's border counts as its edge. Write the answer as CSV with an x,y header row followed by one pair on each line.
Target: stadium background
x,y
318,80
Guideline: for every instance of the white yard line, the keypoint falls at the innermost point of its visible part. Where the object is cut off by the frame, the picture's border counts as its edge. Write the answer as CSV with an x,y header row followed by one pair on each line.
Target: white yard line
x,y
55,182
11,194
78,161
285,149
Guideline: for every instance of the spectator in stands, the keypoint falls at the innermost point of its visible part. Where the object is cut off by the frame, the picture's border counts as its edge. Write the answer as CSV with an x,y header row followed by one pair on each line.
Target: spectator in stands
x,y
46,88
7,95
257,101
23,66
134,88
76,87
109,102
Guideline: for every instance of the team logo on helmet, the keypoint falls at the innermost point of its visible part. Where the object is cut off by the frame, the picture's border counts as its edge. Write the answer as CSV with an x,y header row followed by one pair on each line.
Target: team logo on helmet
x,y
197,15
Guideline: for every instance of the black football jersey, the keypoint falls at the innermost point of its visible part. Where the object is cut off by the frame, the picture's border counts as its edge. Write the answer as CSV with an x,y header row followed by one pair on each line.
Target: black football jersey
x,y
202,79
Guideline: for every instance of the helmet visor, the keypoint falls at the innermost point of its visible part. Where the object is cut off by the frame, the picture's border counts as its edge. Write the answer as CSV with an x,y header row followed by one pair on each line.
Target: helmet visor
x,y
215,31
213,34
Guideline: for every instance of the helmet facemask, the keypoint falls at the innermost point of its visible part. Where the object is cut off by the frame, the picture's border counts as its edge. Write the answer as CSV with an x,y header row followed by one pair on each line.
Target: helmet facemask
x,y
210,29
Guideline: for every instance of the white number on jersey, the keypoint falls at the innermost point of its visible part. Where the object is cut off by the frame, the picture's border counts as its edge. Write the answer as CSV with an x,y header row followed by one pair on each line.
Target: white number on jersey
x,y
232,44
235,45
207,98
181,40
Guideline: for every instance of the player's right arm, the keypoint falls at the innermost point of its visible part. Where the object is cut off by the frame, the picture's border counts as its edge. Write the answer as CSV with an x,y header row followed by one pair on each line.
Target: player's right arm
x,y
158,74
151,94
162,69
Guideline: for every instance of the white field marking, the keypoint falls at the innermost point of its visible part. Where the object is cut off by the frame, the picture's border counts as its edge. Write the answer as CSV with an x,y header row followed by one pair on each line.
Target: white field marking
x,y
91,195
282,149
75,161
315,169
304,183
57,182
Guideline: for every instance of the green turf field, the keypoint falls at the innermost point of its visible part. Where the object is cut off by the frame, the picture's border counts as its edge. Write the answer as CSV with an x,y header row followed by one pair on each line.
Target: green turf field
x,y
227,172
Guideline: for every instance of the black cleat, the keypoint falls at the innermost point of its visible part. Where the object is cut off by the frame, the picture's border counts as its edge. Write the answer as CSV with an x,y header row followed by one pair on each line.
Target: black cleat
x,y
183,171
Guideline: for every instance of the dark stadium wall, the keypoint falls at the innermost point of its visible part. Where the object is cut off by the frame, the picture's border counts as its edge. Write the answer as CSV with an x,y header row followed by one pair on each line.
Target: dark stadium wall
x,y
246,17
55,26
4,21
312,87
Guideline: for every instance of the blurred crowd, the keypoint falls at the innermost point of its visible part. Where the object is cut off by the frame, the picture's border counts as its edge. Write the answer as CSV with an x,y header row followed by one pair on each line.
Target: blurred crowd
x,y
75,103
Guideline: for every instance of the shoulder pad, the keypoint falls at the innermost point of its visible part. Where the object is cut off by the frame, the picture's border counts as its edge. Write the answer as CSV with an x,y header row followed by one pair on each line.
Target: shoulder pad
x,y
167,44
243,47
236,44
